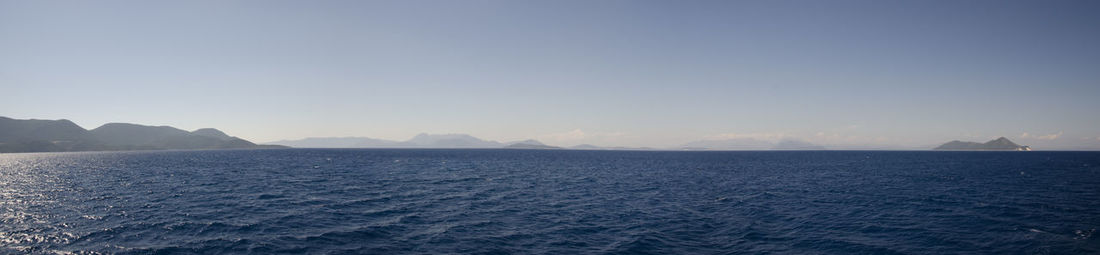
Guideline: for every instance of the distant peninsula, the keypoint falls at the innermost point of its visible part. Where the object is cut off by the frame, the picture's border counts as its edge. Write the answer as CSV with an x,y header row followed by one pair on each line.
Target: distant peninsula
x,y
999,144
33,135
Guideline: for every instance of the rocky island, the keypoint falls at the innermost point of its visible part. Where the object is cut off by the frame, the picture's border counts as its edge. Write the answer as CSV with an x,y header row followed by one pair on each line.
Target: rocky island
x,y
999,144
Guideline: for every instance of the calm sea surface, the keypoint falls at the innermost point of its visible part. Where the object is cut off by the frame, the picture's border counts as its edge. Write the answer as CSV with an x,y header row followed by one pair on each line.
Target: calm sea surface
x,y
550,202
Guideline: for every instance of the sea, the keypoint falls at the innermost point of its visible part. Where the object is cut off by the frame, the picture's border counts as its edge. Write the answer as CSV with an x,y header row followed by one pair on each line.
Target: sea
x,y
490,201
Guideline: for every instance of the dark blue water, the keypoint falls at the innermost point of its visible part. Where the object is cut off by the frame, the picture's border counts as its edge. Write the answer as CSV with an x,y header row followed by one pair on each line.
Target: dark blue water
x,y
551,202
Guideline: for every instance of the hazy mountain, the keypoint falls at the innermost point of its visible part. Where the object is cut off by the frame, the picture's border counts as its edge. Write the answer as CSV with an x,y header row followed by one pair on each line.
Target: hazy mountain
x,y
587,147
529,144
999,144
137,135
453,141
63,135
449,141
340,142
43,135
796,145
16,130
622,148
210,132
960,145
126,136
729,144
750,144
1002,143
618,148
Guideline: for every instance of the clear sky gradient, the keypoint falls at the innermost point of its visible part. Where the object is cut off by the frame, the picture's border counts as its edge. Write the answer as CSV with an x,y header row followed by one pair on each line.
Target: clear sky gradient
x,y
894,74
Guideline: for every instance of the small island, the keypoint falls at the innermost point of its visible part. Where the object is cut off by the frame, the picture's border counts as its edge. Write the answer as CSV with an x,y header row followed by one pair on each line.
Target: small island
x,y
999,144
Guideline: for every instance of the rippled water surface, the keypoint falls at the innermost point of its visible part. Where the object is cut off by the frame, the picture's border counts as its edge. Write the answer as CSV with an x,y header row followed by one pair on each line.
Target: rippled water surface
x,y
552,202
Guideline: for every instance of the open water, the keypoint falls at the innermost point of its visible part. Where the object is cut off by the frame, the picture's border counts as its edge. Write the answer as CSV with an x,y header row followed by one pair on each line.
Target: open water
x,y
347,201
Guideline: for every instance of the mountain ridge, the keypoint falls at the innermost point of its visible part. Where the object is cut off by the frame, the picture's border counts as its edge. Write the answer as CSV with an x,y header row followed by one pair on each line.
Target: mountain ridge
x,y
34,135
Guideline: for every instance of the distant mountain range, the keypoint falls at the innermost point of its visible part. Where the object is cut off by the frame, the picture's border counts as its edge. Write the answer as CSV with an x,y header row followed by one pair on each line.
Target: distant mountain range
x,y
999,144
33,135
448,141
338,142
750,144
63,135
466,141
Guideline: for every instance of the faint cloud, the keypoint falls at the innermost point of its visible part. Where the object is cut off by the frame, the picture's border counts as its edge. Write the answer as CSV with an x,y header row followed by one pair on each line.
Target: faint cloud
x,y
575,134
1051,136
1041,137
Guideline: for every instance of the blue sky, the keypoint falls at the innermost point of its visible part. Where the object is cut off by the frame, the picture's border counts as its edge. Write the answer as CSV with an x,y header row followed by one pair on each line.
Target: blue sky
x,y
619,73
